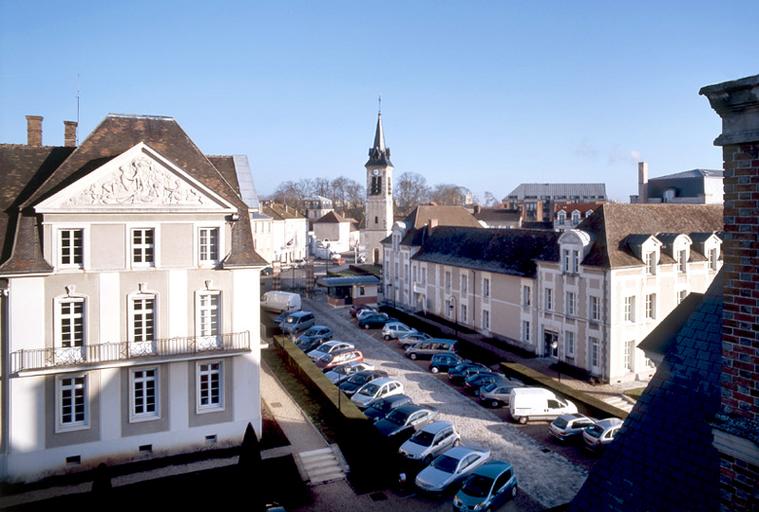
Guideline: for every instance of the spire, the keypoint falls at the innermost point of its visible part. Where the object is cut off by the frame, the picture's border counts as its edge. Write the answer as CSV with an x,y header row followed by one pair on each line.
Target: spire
x,y
379,134
379,154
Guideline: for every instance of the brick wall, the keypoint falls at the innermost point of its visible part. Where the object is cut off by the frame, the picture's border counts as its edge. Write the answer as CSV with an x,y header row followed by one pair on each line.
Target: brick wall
x,y
737,484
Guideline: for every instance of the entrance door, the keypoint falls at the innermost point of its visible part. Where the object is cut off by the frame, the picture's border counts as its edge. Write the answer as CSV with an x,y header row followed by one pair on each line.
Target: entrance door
x,y
551,340
376,257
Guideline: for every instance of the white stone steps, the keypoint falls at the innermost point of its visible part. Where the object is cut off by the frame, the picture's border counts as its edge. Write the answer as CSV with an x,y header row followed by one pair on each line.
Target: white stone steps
x,y
322,465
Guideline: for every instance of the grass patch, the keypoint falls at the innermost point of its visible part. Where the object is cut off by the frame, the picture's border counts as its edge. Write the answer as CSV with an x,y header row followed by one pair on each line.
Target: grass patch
x,y
635,393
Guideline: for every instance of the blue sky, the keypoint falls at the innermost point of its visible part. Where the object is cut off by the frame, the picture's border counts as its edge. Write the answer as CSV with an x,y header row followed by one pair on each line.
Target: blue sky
x,y
481,94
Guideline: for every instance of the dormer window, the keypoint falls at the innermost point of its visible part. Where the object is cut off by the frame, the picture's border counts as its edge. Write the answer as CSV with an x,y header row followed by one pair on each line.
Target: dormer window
x,y
562,217
588,213
651,263
682,260
575,217
575,262
565,260
713,259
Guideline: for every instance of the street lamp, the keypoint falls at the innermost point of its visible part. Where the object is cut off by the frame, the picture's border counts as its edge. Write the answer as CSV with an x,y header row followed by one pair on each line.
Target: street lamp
x,y
555,346
452,306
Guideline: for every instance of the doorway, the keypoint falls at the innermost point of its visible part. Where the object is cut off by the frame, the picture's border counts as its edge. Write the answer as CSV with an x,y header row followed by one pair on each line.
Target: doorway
x,y
551,340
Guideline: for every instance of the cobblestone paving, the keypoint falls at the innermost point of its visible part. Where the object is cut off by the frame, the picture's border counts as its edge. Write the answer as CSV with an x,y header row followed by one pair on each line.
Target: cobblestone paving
x,y
549,478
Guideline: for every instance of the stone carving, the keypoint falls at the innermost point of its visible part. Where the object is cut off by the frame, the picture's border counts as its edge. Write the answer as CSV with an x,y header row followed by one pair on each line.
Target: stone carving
x,y
139,182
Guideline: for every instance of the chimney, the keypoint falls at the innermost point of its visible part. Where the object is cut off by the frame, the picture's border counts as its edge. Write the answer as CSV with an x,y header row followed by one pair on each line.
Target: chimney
x,y
432,223
642,182
69,133
34,130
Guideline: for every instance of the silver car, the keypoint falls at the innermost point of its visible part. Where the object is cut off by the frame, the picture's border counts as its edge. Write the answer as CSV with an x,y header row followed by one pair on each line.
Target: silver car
x,y
430,440
497,394
597,436
340,373
395,329
329,347
450,467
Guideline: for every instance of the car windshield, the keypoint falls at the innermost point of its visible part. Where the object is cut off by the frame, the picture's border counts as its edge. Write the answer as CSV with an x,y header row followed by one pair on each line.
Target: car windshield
x,y
369,390
397,416
445,463
311,332
477,486
326,358
490,387
560,422
359,378
423,438
594,431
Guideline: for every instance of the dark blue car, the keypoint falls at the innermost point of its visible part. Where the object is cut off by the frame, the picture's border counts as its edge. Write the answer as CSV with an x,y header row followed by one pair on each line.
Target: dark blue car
x,y
458,373
441,363
373,321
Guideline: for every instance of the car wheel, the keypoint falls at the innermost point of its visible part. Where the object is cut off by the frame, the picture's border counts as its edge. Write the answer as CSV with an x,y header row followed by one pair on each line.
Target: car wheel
x,y
434,369
387,338
412,356
514,492
366,326
522,420
494,403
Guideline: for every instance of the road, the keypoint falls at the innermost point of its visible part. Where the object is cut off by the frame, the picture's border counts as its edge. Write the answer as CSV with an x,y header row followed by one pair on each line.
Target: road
x,y
545,476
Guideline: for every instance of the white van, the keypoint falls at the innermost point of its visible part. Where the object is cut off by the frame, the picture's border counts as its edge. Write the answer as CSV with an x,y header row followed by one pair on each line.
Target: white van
x,y
279,302
537,404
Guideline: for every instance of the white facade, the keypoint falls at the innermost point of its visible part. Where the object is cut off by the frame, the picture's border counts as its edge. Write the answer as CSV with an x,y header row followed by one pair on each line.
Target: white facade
x,y
263,238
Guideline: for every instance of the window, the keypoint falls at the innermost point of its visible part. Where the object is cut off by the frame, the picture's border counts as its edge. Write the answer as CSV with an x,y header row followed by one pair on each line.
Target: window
x,y
651,263
463,313
565,260
209,245
569,344
595,310
549,299
447,281
575,262
681,295
72,401
396,275
144,385
209,387
570,305
594,351
525,330
71,247
464,285
525,296
629,354
143,319
424,275
576,217
414,272
682,261
143,244
486,287
405,271
562,216
630,309
71,322
485,319
208,314
713,259
651,306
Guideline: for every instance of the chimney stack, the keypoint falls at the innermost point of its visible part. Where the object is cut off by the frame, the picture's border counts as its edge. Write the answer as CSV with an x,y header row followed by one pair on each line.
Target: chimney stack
x,y
432,223
69,133
34,130
642,182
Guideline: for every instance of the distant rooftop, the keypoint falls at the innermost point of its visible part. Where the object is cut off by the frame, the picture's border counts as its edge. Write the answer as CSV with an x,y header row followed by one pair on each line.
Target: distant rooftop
x,y
693,173
560,190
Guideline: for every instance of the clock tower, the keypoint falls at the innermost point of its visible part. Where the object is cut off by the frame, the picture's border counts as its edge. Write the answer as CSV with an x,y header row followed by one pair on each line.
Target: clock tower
x,y
378,214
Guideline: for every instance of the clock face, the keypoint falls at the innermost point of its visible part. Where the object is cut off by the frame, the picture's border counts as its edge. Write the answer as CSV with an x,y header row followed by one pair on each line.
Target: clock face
x,y
375,172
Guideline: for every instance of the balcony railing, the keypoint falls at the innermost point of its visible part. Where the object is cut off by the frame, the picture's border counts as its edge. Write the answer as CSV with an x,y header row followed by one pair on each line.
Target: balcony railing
x,y
90,355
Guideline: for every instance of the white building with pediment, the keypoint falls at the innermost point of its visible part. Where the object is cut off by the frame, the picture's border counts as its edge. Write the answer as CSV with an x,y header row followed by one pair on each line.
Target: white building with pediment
x,y
129,305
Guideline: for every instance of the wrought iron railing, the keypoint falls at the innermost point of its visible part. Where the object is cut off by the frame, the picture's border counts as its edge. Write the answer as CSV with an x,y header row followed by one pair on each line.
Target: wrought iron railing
x,y
93,354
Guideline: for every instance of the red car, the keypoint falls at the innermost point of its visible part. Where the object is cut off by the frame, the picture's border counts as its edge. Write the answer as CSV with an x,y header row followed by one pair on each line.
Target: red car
x,y
338,358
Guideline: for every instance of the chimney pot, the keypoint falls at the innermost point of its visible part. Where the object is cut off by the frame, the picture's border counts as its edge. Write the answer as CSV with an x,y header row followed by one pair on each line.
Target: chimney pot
x,y
642,182
432,223
69,133
34,130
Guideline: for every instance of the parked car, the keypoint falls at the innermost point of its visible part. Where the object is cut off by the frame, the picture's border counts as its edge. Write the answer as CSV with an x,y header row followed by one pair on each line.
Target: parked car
x,y
498,394
428,348
350,385
381,408
569,427
341,357
450,467
488,488
409,416
373,321
473,383
430,441
365,312
298,321
375,390
278,301
412,338
393,330
339,373
458,373
355,308
328,347
313,337
527,404
601,434
444,362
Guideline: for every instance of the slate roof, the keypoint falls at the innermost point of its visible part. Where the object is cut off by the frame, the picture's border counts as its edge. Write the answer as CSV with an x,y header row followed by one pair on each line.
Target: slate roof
x,y
663,458
112,137
280,212
417,220
611,224
236,170
347,280
559,191
686,183
693,173
495,215
502,251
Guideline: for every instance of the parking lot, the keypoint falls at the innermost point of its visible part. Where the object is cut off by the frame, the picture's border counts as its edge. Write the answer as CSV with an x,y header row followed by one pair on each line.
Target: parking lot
x,y
548,473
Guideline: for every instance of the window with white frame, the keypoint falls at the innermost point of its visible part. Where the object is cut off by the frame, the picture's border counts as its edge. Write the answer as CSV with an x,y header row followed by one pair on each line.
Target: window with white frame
x,y
71,248
210,385
209,320
565,260
651,263
576,217
526,296
71,322
396,275
682,261
464,284
681,295
143,318
570,306
651,306
414,273
630,355
447,281
575,262
463,318
630,308
562,217
713,259
588,213
144,393
569,344
595,309
143,246
486,287
72,401
405,271
424,275
525,330
208,241
595,351
548,297
485,319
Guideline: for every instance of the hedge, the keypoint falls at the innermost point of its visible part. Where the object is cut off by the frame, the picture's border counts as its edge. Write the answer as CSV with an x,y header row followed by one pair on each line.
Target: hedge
x,y
586,403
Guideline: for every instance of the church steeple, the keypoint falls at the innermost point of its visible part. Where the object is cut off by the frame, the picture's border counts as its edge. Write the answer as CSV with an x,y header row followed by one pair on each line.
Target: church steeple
x,y
379,154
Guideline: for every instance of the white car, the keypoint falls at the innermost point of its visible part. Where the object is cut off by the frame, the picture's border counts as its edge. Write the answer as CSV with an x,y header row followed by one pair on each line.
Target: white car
x,y
364,312
393,330
376,389
430,440
450,467
329,347
342,372
601,434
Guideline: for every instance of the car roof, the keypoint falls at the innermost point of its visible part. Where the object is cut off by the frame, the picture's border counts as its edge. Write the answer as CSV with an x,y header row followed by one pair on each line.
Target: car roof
x,y
459,452
493,468
437,426
609,423
318,326
410,408
384,380
395,398
300,313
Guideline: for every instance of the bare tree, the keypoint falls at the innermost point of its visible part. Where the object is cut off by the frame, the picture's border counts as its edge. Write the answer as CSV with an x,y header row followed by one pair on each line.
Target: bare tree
x,y
411,189
490,201
447,194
